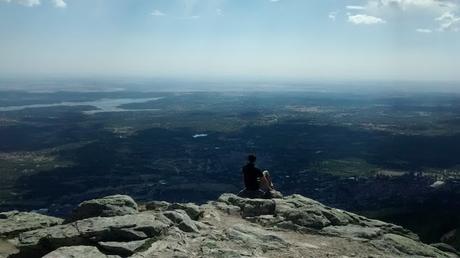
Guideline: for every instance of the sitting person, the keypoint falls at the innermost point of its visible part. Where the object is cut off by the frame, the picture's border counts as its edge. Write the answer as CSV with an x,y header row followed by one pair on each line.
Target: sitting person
x,y
257,184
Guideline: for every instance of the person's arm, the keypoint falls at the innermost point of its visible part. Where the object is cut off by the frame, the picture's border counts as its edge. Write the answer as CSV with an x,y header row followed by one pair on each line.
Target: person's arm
x,y
265,183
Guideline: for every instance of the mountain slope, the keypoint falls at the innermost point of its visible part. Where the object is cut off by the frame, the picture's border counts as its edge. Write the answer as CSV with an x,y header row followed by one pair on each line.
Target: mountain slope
x,y
294,226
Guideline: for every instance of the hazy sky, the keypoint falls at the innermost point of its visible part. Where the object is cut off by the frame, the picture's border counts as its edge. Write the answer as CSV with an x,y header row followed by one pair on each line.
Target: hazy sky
x,y
296,39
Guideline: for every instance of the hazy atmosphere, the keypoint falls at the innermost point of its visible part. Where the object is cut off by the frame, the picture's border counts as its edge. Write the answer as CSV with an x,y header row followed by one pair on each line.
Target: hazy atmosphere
x,y
282,39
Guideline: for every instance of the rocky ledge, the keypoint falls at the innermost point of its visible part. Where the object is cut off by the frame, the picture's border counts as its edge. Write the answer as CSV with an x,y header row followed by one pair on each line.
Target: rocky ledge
x,y
294,226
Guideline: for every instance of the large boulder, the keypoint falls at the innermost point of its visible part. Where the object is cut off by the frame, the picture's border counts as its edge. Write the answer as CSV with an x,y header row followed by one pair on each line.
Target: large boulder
x,y
110,206
90,231
250,207
309,213
12,223
299,213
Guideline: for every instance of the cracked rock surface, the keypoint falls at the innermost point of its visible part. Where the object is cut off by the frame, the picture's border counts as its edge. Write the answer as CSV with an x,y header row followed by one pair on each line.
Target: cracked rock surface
x,y
293,226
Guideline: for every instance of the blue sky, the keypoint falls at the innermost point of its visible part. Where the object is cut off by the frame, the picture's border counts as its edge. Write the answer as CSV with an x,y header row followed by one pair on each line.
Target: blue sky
x,y
285,39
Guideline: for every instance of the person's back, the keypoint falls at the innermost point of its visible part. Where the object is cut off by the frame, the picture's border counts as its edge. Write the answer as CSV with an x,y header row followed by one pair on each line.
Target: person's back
x,y
252,176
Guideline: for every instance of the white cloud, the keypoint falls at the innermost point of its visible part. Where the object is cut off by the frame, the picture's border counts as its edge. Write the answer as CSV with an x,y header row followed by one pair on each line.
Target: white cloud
x,y
445,9
426,31
157,13
355,7
32,3
274,1
28,3
59,3
365,19
448,21
219,12
332,15
407,4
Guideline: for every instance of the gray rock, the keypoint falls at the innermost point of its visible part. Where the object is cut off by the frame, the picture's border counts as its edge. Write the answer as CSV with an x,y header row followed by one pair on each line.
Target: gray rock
x,y
309,213
7,248
12,223
232,199
193,210
157,205
110,206
182,220
250,207
227,208
265,220
122,248
77,252
223,253
253,237
303,214
293,226
84,232
56,236
354,231
445,247
406,246
310,218
115,228
173,244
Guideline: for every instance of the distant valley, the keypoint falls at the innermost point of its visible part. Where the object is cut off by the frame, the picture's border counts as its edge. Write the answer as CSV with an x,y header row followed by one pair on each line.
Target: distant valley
x,y
392,156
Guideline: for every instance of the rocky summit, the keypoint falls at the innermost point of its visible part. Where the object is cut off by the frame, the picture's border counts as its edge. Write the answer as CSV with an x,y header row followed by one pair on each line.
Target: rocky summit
x,y
293,226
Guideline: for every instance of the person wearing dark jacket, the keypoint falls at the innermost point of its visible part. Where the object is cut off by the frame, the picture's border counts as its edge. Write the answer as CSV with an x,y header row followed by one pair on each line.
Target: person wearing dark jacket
x,y
257,183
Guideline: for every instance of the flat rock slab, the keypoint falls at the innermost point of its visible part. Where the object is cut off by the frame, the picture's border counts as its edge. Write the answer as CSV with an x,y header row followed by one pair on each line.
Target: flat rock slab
x,y
254,237
13,223
407,246
78,252
84,232
122,248
354,231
